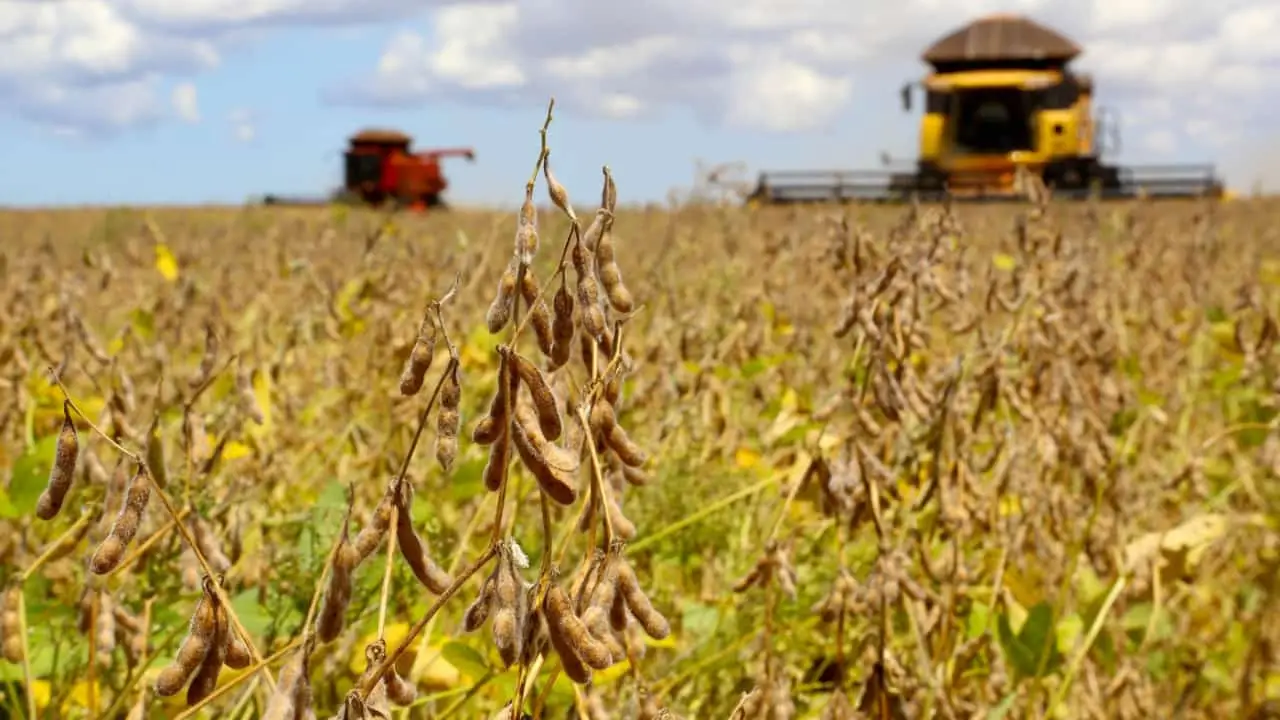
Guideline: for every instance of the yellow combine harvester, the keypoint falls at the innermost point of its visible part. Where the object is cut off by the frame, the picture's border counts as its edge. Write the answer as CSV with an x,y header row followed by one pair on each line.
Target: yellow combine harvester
x,y
1001,105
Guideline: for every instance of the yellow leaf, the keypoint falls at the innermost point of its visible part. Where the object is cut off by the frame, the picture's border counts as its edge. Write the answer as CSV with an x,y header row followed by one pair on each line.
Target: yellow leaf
x,y
233,450
746,458
166,263
1004,262
434,672
790,400
1009,505
262,391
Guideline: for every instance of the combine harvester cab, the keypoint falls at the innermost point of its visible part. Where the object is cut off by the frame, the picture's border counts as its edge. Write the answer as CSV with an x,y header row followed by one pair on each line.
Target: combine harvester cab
x,y
1000,105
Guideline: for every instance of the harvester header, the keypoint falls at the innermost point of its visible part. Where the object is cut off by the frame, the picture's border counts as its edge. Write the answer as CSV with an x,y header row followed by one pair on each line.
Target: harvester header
x,y
1002,107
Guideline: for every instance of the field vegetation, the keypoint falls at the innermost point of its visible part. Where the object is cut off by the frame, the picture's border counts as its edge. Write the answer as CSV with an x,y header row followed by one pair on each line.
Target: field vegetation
x,y
833,462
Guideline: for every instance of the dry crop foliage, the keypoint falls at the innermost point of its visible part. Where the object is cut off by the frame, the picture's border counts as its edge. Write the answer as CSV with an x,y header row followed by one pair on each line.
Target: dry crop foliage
x,y
550,420
941,462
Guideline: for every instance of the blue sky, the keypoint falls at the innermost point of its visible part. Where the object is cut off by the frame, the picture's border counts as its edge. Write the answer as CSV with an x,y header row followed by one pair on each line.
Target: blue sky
x,y
88,112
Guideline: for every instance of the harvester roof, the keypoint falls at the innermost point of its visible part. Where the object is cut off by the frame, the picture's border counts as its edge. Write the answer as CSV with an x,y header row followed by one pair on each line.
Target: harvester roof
x,y
380,136
1001,38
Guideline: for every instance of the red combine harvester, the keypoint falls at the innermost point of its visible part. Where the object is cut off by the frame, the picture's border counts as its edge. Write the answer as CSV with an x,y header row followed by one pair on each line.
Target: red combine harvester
x,y
379,168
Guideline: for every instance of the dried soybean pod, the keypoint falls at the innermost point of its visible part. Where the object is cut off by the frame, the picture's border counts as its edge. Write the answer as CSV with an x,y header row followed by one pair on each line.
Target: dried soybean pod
x,y
591,235
449,419
105,632
495,469
155,452
11,624
491,426
111,551
556,191
561,326
206,678
628,451
419,360
432,576
609,194
193,650
509,608
526,243
478,611
399,691
375,530
337,594
610,274
499,312
238,657
539,314
63,471
574,668
596,620
281,704
544,400
592,317
573,633
536,453
653,622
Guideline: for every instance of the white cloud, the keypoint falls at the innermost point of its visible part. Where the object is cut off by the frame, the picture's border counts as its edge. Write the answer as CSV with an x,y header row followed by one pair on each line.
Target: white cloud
x,y
243,126
186,102
798,64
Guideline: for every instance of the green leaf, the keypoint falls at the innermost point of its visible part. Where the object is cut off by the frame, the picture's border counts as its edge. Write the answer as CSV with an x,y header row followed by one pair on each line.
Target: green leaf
x,y
30,475
466,659
253,616
978,620
699,621
1025,649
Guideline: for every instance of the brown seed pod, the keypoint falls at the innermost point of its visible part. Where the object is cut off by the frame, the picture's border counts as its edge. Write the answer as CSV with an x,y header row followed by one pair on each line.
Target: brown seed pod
x,y
194,648
596,620
544,400
292,696
495,469
412,547
419,360
568,631
591,235
105,630
526,245
653,622
478,611
562,327
608,194
63,471
206,678
337,594
499,312
111,551
610,274
539,314
592,317
556,191
491,426
551,466
375,530
11,624
238,657
510,608
628,451
574,668
449,419
399,691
